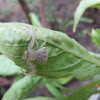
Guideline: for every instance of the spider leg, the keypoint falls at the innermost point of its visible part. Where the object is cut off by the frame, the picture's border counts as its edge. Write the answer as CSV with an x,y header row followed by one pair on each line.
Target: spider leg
x,y
38,30
37,44
42,36
32,67
42,44
30,31
31,44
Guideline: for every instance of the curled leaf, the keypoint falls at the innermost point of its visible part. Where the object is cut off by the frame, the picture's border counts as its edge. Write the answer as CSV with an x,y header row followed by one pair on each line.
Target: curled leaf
x,y
65,55
83,5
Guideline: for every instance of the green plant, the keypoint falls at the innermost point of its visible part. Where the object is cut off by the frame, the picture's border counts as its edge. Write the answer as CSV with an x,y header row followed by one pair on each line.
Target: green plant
x,y
65,57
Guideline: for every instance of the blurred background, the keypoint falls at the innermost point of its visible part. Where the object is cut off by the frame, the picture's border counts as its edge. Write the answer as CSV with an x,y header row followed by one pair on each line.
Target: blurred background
x,y
59,15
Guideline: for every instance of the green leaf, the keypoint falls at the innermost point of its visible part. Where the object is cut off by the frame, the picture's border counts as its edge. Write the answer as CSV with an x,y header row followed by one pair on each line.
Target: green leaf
x,y
85,92
83,5
21,88
96,36
8,67
13,42
34,19
65,55
40,98
54,90
55,84
65,80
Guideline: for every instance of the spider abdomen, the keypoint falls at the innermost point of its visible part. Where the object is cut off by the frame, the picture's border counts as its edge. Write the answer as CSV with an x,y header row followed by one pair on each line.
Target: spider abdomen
x,y
42,55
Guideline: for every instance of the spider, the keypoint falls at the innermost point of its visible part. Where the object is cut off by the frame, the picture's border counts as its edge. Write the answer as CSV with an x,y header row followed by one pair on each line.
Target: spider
x,y
40,55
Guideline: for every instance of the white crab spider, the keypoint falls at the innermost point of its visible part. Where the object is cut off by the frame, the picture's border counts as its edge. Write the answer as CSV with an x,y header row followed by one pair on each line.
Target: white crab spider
x,y
40,55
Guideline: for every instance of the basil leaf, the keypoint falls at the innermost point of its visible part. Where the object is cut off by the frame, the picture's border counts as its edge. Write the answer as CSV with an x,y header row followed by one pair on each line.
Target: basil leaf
x,y
21,88
65,55
8,67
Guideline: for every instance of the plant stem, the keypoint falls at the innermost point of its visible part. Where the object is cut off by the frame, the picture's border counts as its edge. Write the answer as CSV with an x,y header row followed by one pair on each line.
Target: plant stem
x,y
43,18
25,9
